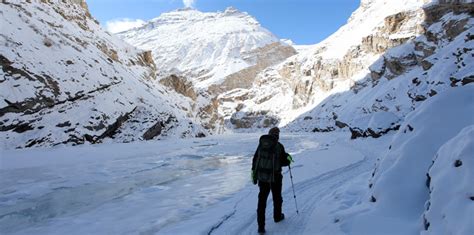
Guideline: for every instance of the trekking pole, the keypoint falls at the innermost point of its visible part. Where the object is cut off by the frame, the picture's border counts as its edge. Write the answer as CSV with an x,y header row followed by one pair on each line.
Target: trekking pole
x,y
293,186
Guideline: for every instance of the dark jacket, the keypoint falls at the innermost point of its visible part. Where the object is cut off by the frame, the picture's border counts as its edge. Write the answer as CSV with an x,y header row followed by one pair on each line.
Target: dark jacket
x,y
282,155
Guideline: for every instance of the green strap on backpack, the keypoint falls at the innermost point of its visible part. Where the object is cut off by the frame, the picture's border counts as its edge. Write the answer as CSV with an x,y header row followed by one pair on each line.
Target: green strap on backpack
x,y
290,158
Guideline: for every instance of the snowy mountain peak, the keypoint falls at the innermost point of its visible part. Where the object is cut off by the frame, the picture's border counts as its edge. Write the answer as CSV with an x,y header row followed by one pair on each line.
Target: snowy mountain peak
x,y
232,10
185,9
203,54
190,15
205,47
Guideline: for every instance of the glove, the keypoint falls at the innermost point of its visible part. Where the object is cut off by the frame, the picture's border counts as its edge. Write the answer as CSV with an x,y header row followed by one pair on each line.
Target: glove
x,y
253,177
289,158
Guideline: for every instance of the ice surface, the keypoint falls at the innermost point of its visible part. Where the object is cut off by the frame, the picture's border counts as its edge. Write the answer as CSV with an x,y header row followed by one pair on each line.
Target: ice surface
x,y
170,186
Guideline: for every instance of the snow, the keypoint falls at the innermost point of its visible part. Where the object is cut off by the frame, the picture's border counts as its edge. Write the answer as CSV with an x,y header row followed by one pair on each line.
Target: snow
x,y
376,121
414,180
201,186
451,190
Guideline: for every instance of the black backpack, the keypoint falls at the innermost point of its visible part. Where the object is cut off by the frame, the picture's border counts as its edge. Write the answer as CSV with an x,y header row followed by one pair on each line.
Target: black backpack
x,y
267,158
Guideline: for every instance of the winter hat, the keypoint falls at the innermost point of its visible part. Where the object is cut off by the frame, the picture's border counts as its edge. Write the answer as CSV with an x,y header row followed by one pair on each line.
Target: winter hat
x,y
275,131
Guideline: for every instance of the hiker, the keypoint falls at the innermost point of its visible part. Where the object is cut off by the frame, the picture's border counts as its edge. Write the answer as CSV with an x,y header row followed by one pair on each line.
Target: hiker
x,y
266,170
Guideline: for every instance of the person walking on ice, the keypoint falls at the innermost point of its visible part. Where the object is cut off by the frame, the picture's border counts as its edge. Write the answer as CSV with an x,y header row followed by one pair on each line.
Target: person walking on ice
x,y
267,162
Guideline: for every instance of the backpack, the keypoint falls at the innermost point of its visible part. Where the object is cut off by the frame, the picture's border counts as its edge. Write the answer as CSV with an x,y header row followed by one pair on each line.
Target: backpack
x,y
267,159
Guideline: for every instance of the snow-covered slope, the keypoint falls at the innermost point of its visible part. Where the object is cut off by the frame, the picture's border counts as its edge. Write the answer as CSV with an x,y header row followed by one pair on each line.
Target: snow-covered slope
x,y
449,210
403,186
204,47
66,81
365,21
403,77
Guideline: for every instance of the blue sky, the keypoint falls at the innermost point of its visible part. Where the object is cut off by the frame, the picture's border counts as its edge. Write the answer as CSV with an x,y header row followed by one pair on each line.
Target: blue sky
x,y
302,21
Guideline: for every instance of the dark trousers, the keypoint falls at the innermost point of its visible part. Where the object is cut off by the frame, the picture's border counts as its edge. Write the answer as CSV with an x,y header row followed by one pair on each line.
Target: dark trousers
x,y
265,189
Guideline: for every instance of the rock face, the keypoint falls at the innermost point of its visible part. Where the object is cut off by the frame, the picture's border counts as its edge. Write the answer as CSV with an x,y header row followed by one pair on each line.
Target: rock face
x,y
180,85
154,131
261,58
69,82
396,56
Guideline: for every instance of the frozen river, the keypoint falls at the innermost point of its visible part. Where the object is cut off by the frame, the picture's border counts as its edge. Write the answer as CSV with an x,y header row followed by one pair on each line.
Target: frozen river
x,y
170,186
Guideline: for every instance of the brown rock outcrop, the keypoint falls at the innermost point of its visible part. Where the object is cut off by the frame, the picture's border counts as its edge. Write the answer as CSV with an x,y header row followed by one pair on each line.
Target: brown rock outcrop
x,y
180,85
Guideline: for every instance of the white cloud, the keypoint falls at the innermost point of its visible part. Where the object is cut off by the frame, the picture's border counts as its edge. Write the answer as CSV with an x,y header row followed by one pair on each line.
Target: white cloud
x,y
188,3
120,25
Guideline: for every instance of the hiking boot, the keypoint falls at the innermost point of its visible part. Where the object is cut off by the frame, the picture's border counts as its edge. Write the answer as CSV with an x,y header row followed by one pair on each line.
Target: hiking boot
x,y
278,219
261,230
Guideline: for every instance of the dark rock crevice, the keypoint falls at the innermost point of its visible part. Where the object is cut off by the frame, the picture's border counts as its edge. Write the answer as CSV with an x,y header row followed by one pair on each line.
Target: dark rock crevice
x,y
154,131
358,133
114,127
327,129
